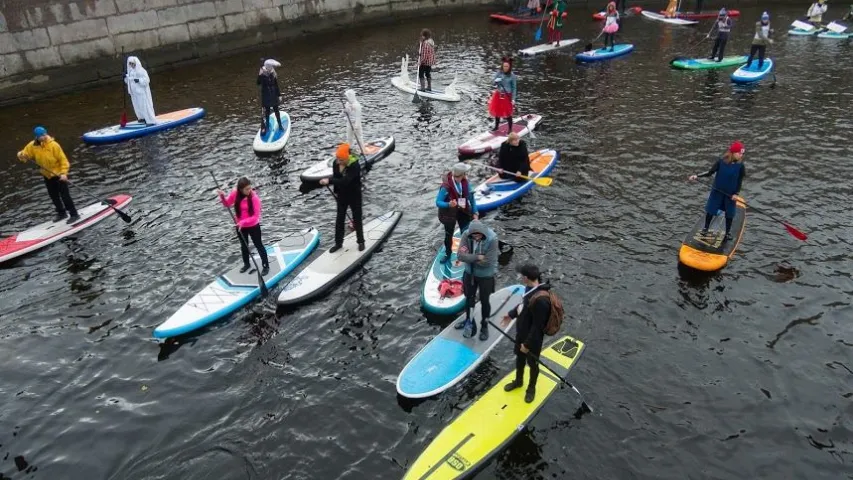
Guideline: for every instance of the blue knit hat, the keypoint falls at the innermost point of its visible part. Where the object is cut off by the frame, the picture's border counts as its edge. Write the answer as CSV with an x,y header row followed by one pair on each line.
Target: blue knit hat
x,y
765,16
39,131
723,12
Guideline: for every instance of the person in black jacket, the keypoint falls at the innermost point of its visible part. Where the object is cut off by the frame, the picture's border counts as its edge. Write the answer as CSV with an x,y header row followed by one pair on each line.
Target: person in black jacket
x,y
514,157
270,93
346,177
532,317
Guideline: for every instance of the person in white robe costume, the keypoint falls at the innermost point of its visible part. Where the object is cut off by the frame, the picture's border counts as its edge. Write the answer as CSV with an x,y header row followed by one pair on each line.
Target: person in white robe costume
x,y
353,109
138,86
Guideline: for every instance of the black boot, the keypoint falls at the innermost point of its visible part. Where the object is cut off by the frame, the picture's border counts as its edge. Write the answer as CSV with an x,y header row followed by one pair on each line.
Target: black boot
x,y
484,331
497,124
513,385
335,248
265,270
60,217
73,219
470,330
529,395
361,246
245,268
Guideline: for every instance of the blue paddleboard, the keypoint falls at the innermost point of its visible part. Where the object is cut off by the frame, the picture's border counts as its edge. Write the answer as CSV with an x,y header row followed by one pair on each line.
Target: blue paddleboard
x,y
274,139
117,133
605,53
495,192
751,73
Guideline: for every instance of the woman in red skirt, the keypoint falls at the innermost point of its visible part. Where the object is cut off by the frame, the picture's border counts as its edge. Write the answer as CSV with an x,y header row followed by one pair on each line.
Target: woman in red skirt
x,y
503,97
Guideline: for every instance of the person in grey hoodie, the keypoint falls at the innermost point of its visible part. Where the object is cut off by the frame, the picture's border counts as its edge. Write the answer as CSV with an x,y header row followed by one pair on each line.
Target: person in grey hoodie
x,y
478,249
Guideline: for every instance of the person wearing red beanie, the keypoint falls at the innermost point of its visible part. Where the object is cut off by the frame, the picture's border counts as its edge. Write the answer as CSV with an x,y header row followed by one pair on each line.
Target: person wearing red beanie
x,y
728,174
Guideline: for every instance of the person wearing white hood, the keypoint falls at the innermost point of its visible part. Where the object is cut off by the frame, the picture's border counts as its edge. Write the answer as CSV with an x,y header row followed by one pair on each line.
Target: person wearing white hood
x,y
352,110
139,88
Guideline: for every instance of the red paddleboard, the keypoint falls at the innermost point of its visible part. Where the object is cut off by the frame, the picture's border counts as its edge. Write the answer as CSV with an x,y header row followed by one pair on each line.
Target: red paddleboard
x,y
49,232
702,15
513,18
492,140
634,10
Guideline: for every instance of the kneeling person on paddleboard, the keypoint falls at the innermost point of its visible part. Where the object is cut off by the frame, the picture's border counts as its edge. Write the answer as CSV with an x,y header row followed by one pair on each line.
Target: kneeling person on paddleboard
x,y
247,207
532,318
514,157
761,40
728,174
47,154
346,177
478,250
456,205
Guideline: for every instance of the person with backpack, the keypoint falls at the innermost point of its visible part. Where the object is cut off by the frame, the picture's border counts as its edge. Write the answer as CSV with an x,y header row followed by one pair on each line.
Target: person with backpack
x,y
478,250
540,312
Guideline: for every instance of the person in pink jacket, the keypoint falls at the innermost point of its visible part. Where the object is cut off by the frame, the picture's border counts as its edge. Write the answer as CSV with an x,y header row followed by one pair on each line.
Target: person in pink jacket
x,y
247,207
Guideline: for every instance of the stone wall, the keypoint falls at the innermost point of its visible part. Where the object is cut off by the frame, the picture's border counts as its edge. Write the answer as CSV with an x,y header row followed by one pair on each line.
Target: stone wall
x,y
52,46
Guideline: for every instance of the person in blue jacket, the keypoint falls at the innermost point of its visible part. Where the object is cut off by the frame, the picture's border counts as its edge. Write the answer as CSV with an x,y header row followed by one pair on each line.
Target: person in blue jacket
x,y
728,174
456,205
478,250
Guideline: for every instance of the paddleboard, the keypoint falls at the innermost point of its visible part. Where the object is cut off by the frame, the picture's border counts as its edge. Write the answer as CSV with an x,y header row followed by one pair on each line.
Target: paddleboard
x,y
662,18
706,64
702,15
450,357
165,121
46,233
486,142
709,252
604,53
547,47
275,138
496,192
431,298
751,73
232,290
834,36
487,425
803,33
406,84
633,10
329,268
514,18
374,151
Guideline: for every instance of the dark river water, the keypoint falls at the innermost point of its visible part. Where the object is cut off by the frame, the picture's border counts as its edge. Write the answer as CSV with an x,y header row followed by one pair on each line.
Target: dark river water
x,y
743,374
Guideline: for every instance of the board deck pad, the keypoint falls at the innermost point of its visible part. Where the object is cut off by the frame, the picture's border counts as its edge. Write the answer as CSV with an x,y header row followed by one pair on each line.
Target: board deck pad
x,y
232,290
601,54
496,192
165,121
491,140
405,83
710,252
547,47
486,427
47,233
374,151
329,268
430,296
450,357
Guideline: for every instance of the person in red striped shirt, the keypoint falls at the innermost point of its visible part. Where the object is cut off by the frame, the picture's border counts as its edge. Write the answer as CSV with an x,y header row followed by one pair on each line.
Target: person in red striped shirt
x,y
427,60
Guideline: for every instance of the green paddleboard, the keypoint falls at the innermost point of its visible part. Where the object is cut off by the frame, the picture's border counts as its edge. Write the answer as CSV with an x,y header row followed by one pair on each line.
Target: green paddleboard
x,y
705,64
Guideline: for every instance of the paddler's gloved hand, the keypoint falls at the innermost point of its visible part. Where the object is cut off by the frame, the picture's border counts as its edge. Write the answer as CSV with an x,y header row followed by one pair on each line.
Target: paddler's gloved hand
x,y
135,80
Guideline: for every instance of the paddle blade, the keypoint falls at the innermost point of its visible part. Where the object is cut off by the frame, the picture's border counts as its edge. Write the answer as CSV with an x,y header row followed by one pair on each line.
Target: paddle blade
x,y
416,98
543,181
795,233
538,35
123,215
264,291
123,119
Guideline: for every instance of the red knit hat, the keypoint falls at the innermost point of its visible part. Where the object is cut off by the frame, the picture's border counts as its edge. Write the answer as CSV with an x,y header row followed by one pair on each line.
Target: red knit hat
x,y
737,147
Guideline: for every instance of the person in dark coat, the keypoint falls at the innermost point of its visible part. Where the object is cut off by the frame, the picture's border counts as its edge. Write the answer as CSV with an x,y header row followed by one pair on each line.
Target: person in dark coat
x,y
270,93
346,177
728,172
532,317
514,157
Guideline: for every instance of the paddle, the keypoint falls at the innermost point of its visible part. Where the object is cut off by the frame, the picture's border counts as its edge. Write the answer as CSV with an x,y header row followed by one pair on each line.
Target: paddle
x,y
588,46
796,233
261,283
692,46
538,36
123,121
541,181
109,201
584,405
415,97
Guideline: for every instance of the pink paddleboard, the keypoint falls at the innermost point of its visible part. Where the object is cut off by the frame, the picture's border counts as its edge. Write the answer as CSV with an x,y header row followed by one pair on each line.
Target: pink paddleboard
x,y
486,142
49,232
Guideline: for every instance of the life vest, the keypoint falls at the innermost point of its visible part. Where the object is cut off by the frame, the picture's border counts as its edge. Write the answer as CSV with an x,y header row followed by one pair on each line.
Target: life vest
x,y
448,215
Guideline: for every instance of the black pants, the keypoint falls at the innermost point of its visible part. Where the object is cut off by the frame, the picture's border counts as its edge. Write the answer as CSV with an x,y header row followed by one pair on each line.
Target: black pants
x,y
530,360
509,176
760,49
425,72
267,111
486,286
508,121
463,221
354,205
719,48
255,233
58,191
699,5
609,37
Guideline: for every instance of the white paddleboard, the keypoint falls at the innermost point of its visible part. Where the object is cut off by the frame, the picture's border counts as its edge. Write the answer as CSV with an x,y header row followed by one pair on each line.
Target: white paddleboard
x,y
488,141
431,298
547,47
662,18
275,138
374,151
329,268
406,84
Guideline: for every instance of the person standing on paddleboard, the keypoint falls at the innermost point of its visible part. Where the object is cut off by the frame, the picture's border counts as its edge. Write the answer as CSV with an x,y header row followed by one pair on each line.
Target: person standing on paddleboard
x,y
671,9
724,27
247,207
352,110
139,87
514,157
555,23
611,25
456,205
504,95
534,8
427,60
478,250
346,178
270,93
849,15
47,154
532,318
816,11
761,40
728,172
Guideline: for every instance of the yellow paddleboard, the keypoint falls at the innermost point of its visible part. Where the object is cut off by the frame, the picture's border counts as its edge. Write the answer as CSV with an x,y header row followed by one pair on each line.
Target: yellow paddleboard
x,y
488,424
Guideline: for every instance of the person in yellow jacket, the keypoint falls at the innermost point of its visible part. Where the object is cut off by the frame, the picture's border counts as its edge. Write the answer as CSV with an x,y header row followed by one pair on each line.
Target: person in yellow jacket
x,y
48,155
